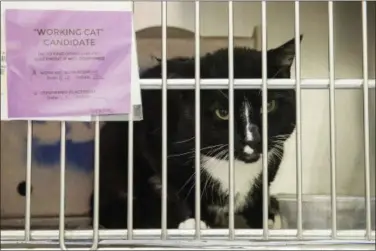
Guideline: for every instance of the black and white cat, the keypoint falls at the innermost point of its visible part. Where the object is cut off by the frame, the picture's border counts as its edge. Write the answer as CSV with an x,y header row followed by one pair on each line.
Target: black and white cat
x,y
214,143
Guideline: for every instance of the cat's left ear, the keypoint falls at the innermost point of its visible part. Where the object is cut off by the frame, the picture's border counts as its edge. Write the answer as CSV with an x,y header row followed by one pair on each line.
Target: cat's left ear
x,y
159,60
284,55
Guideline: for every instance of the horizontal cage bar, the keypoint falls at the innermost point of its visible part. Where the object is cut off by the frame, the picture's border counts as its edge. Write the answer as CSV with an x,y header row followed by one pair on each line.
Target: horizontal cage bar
x,y
202,245
255,83
255,234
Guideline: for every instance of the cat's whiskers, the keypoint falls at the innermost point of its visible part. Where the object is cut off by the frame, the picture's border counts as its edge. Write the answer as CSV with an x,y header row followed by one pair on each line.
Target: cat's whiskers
x,y
210,152
223,94
281,136
192,186
216,156
275,74
276,152
213,149
193,150
278,143
184,141
223,197
204,189
221,155
209,180
189,191
190,177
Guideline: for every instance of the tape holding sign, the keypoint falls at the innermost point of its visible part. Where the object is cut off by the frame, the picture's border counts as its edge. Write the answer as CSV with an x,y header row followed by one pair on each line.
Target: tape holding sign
x,y
70,62
3,97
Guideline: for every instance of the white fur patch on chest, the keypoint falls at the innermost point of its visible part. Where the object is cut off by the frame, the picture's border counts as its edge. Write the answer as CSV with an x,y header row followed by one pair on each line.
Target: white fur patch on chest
x,y
245,176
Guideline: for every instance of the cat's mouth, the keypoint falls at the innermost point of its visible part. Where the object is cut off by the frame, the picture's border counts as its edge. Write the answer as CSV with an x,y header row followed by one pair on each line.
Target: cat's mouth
x,y
249,158
248,155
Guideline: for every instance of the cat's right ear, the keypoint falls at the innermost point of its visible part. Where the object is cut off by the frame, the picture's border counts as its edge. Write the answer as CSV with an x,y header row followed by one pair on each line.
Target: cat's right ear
x,y
284,55
156,59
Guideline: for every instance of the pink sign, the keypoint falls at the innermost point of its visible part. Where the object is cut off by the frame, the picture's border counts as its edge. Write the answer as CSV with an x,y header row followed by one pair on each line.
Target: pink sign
x,y
68,63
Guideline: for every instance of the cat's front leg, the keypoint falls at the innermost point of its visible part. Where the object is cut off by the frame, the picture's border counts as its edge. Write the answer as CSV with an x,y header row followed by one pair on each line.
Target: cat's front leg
x,y
206,221
191,224
253,214
274,214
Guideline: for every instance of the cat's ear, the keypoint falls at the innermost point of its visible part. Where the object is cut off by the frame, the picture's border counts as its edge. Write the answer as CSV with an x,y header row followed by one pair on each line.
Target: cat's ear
x,y
156,59
284,55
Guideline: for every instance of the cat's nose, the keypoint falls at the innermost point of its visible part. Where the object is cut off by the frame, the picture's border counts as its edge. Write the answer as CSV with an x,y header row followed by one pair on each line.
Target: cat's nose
x,y
248,150
250,154
253,137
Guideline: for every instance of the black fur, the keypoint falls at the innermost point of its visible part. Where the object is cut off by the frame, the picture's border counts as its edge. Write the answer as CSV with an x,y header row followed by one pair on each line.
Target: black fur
x,y
181,121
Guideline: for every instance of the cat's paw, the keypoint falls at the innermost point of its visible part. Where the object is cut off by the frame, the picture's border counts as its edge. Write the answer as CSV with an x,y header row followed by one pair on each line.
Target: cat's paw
x,y
191,224
273,205
276,223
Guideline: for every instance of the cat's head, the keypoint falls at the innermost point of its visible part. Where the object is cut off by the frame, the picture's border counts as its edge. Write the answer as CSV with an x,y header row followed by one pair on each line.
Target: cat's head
x,y
247,103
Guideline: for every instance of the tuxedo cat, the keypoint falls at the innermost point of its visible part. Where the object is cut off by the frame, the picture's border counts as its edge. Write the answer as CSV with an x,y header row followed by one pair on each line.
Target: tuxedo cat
x,y
214,145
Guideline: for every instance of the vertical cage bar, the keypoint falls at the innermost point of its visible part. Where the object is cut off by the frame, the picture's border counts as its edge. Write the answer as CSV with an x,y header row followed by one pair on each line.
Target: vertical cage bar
x,y
62,187
164,120
231,119
332,121
96,185
130,168
298,123
366,122
197,120
265,190
28,179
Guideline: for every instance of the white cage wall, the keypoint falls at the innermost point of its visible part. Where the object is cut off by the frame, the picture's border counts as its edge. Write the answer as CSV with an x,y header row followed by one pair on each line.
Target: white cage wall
x,y
314,65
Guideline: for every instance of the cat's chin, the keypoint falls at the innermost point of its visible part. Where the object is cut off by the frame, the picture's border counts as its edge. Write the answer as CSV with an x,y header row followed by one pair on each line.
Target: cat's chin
x,y
249,158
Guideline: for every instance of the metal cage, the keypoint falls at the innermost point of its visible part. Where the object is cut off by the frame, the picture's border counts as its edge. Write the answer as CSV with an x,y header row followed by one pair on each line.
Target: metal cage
x,y
265,238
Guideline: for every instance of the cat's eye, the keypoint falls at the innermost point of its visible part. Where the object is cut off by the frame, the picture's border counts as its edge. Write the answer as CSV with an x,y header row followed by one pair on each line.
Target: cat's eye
x,y
222,114
272,105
